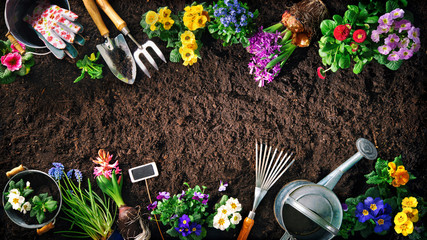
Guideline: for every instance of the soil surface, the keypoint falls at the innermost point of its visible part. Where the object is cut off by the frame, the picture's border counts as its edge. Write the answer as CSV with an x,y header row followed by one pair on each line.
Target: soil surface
x,y
199,124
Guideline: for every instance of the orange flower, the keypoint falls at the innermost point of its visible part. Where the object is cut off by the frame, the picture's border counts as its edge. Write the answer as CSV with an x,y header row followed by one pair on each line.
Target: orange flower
x,y
401,177
392,169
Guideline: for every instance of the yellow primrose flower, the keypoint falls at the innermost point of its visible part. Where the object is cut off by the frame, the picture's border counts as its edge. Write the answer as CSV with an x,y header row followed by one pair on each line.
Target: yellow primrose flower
x,y
392,169
187,9
412,214
401,177
151,18
400,218
201,21
187,37
168,23
192,45
405,229
191,61
409,202
187,54
197,9
164,14
153,27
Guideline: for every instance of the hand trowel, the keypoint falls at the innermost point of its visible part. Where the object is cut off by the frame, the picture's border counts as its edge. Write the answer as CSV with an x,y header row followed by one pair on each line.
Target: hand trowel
x,y
115,52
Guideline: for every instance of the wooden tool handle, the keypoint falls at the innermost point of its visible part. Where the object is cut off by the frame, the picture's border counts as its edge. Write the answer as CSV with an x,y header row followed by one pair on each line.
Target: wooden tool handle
x,y
96,16
45,228
14,171
115,18
246,229
15,43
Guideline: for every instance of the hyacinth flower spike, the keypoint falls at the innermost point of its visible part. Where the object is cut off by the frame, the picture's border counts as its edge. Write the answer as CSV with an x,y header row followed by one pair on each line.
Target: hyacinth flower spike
x,y
105,168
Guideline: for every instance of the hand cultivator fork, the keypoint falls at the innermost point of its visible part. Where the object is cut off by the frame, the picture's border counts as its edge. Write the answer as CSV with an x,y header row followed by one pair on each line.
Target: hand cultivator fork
x,y
142,49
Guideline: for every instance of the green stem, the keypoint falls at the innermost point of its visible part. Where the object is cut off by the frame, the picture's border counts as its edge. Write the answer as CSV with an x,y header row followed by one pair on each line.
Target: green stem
x,y
274,28
283,57
287,34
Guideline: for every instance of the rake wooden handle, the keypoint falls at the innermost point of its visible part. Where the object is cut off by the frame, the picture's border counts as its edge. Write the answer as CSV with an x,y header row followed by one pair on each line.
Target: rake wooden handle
x,y
15,171
115,18
15,43
96,16
246,229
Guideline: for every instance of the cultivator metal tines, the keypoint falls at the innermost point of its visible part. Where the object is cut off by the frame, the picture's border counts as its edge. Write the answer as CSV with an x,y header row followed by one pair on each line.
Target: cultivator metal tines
x,y
267,171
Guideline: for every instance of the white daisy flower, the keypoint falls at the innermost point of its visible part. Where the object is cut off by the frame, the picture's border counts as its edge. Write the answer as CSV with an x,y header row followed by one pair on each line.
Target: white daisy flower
x,y
26,207
235,219
221,222
224,209
234,205
16,201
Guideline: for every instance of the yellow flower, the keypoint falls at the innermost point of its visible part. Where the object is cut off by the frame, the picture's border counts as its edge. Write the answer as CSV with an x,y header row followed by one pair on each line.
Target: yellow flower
x,y
197,9
401,177
201,21
392,169
405,229
187,54
190,61
151,18
412,214
187,9
400,218
168,23
153,27
164,14
192,45
187,37
409,202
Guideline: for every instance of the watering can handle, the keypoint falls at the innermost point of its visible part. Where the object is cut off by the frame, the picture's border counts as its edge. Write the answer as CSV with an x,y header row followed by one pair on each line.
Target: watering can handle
x,y
15,171
15,43
45,228
115,18
248,223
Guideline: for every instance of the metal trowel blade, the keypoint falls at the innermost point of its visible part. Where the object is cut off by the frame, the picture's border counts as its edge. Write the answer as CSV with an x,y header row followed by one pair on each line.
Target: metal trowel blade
x,y
119,59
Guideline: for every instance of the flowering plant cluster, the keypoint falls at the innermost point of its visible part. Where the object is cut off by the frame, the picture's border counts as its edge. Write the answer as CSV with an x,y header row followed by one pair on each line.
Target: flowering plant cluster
x,y
226,215
37,205
12,63
345,39
397,39
232,22
181,32
387,202
184,213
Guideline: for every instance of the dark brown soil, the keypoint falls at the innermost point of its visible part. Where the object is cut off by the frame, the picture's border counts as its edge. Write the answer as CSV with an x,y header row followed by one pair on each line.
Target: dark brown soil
x,y
200,123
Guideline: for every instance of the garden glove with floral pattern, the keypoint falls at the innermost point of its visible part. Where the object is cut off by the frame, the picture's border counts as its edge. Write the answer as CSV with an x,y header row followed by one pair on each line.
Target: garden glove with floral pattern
x,y
55,24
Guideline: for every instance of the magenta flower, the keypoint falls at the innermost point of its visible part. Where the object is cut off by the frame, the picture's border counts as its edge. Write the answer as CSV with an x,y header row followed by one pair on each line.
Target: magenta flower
x,y
405,53
403,43
105,168
354,46
414,33
397,13
205,199
394,56
384,49
14,49
163,195
197,196
152,206
385,19
13,61
182,195
321,73
403,25
383,29
375,36
392,40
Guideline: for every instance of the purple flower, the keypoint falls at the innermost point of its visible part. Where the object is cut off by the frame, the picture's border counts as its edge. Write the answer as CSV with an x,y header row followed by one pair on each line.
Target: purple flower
x,y
180,230
56,172
396,13
375,205
186,232
163,195
382,223
394,56
362,213
184,221
416,45
174,216
385,19
384,49
205,199
196,228
182,195
78,175
375,36
222,186
392,40
383,29
344,207
403,25
152,206
58,165
414,33
404,42
197,196
405,53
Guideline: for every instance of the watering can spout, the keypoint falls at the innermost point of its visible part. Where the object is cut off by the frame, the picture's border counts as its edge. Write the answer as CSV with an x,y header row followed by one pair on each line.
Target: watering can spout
x,y
365,148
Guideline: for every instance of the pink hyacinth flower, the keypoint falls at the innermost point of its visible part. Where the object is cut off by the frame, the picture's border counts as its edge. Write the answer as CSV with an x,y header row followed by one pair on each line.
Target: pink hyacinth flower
x,y
13,61
105,168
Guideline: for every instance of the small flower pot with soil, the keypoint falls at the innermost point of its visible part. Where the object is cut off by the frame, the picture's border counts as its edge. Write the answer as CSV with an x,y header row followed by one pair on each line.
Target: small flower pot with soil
x,y
40,191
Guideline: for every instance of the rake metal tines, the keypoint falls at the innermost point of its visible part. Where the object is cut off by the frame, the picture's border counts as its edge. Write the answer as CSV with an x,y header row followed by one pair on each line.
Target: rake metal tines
x,y
268,169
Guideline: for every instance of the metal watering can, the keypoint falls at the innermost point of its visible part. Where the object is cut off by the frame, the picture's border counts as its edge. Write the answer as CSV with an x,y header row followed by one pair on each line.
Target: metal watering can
x,y
306,210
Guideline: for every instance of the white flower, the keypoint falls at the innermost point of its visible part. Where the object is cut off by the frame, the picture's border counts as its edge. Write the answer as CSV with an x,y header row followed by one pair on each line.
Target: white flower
x,y
235,219
16,201
224,209
14,192
28,184
234,205
26,207
221,222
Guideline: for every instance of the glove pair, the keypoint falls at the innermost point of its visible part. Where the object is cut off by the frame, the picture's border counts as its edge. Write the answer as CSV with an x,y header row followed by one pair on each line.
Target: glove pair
x,y
57,28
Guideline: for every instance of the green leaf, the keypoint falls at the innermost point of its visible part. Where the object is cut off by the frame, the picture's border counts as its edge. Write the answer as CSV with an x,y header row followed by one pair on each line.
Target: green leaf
x,y
381,59
8,206
394,65
338,19
27,191
344,61
358,67
22,71
372,19
328,47
359,226
372,192
350,16
33,212
244,41
404,3
51,205
353,8
375,180
40,217
327,26
172,232
36,199
334,66
391,5
367,231
175,56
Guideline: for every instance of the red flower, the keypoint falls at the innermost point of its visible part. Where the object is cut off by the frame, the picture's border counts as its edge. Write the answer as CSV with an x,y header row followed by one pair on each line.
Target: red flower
x,y
359,35
354,46
341,32
321,73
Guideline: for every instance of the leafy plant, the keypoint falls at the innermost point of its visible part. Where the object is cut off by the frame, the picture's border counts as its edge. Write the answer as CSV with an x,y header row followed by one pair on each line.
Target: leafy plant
x,y
184,214
19,189
87,64
232,22
41,204
226,215
345,39
12,63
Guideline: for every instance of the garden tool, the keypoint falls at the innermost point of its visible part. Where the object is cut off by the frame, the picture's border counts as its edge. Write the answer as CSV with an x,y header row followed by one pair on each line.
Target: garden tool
x,y
116,52
265,177
57,28
142,49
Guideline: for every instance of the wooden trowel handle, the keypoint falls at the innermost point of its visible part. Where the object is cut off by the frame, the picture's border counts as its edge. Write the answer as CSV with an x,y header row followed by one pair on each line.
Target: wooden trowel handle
x,y
15,171
15,43
246,229
115,18
96,16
